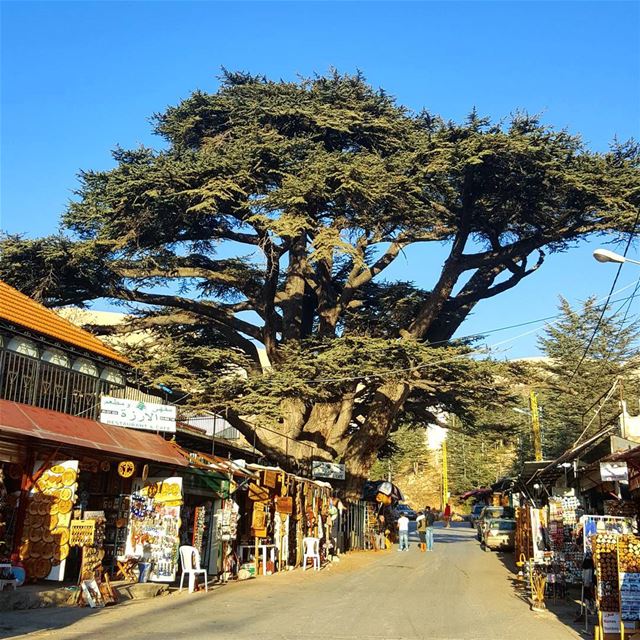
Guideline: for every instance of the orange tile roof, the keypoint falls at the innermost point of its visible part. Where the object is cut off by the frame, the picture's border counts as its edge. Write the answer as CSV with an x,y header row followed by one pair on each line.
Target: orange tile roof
x,y
21,310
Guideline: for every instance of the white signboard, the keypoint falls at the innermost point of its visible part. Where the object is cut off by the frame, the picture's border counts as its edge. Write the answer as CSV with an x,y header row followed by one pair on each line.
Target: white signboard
x,y
611,621
136,414
614,472
320,469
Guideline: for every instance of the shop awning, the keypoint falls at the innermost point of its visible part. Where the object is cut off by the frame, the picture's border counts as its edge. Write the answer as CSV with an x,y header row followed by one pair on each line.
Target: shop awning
x,y
199,478
554,469
24,421
630,456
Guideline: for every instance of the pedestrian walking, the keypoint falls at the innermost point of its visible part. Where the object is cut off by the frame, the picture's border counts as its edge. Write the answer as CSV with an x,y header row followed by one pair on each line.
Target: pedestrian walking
x,y
430,518
447,515
403,533
421,525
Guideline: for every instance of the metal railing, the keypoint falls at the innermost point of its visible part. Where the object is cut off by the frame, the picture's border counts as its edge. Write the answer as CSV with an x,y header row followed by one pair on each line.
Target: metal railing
x,y
43,384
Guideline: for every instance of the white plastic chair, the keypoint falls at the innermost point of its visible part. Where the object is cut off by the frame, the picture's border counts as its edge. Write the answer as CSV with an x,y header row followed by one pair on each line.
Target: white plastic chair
x,y
190,561
311,550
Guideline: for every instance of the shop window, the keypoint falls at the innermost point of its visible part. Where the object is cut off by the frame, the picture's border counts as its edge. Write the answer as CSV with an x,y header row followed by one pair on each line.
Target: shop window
x,y
113,376
53,356
23,346
85,366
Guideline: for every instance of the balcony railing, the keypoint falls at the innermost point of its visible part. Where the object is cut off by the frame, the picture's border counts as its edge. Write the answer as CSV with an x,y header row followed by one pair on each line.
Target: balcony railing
x,y
43,384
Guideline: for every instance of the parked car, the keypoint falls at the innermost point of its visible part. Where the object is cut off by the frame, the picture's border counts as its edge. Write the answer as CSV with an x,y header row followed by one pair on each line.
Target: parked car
x,y
499,534
489,513
476,510
406,510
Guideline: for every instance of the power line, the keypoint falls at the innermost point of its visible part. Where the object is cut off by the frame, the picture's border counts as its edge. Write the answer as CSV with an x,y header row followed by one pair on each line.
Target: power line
x,y
604,309
485,350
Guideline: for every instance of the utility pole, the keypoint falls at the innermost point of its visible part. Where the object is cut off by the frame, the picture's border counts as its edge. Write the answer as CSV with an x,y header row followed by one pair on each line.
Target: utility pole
x,y
535,425
623,410
445,475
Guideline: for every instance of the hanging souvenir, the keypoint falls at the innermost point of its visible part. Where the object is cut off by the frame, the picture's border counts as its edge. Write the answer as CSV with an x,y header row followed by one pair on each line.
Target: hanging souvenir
x,y
126,469
257,493
270,479
284,504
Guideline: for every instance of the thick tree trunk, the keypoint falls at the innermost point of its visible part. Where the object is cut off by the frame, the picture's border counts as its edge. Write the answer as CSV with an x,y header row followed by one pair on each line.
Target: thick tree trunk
x,y
321,433
363,445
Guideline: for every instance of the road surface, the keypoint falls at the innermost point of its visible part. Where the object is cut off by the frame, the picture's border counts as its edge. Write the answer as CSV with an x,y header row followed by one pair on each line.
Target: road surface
x,y
455,592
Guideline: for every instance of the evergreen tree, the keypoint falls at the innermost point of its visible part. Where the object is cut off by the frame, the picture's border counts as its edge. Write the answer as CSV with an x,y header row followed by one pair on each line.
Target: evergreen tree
x,y
269,216
479,459
569,402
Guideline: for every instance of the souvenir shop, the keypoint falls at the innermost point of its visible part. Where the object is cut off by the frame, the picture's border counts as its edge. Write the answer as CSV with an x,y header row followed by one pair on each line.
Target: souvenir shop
x,y
276,511
67,512
210,514
572,523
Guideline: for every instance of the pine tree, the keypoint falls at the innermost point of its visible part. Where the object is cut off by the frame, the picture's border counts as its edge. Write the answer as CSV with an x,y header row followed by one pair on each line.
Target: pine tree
x,y
571,386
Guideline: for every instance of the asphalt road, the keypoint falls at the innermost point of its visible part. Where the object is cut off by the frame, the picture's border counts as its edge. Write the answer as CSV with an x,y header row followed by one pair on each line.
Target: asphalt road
x,y
455,592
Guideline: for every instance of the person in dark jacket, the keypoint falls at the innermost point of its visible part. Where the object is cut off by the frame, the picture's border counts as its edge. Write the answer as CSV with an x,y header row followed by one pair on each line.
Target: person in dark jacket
x,y
421,526
430,518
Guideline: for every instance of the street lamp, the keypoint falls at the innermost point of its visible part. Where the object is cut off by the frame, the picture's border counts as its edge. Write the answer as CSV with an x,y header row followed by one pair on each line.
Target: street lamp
x,y
604,255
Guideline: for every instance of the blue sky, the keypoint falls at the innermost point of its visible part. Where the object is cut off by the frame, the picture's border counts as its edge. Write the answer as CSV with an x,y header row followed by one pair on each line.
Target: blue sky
x,y
79,78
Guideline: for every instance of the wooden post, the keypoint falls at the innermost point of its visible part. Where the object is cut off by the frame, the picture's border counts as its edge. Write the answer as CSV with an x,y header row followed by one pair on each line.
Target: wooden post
x,y
25,486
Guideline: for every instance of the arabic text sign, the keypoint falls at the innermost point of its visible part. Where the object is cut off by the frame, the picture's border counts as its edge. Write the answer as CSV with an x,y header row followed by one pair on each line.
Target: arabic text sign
x,y
331,470
136,414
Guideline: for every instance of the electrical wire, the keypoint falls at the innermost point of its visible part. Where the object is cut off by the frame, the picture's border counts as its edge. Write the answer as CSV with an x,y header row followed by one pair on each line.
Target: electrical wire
x,y
595,415
604,309
485,350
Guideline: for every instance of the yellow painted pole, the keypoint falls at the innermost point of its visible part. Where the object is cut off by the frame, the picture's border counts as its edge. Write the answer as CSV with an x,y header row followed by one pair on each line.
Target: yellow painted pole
x,y
535,425
445,475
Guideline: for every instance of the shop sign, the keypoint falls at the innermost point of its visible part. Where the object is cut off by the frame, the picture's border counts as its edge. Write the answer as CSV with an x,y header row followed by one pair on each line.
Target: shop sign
x,y
614,472
134,414
321,469
611,622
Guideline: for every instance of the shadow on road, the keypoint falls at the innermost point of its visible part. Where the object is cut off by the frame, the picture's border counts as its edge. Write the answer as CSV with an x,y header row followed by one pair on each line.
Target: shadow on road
x,y
566,609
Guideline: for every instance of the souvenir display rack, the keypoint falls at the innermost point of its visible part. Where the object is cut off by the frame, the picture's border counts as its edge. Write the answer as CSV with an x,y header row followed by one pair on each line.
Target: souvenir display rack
x,y
567,552
605,559
154,527
45,535
117,518
629,582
